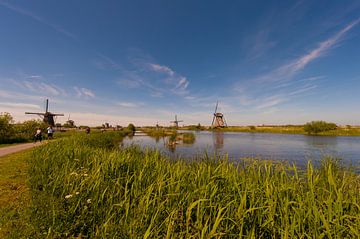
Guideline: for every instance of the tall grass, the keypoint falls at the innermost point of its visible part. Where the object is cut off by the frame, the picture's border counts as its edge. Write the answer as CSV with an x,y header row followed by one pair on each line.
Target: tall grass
x,y
82,187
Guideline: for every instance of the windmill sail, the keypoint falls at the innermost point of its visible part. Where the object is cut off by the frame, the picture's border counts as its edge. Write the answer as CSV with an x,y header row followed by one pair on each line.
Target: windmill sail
x,y
176,122
48,117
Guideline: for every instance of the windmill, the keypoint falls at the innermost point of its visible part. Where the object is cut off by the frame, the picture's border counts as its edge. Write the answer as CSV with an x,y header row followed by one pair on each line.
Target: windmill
x,y
176,122
48,117
70,123
218,119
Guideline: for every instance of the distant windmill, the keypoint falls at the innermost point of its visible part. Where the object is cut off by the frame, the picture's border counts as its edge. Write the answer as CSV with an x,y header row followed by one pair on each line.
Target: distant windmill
x,y
218,119
48,117
70,123
176,122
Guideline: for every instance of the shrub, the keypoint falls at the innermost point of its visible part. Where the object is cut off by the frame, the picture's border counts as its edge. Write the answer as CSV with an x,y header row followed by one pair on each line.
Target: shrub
x,y
6,127
188,138
27,129
315,127
131,127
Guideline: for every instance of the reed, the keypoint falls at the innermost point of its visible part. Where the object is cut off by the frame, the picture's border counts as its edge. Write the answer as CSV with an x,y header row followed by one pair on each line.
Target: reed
x,y
83,187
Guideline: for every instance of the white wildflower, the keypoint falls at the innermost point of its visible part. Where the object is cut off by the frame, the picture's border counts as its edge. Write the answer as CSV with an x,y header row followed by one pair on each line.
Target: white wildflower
x,y
77,193
88,201
68,196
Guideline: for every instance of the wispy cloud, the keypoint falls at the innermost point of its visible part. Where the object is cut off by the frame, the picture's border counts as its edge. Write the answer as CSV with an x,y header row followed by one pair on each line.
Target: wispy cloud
x,y
261,44
19,105
34,77
35,17
278,86
158,79
162,69
288,70
84,92
130,104
41,87
177,83
104,62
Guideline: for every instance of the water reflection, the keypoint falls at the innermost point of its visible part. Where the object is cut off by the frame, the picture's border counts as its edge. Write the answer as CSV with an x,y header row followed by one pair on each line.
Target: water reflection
x,y
321,141
218,139
294,148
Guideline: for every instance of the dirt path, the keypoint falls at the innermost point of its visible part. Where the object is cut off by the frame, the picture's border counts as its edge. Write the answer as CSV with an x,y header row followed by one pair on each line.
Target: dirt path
x,y
16,148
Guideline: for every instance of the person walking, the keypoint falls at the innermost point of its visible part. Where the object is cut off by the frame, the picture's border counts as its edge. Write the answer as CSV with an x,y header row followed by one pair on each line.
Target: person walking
x,y
50,132
38,135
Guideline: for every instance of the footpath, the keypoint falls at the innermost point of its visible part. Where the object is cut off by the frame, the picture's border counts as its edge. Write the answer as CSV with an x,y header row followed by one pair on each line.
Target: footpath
x,y
16,148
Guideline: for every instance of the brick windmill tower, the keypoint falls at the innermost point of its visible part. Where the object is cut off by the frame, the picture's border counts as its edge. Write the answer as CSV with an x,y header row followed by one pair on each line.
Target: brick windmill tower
x,y
47,116
218,119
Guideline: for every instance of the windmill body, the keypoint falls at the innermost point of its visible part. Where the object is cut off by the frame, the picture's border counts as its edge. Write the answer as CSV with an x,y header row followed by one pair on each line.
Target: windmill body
x,y
218,119
176,122
47,116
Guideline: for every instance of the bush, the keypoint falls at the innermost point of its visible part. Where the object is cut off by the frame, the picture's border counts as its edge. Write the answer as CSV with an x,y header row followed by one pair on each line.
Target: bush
x,y
315,127
28,128
131,127
6,127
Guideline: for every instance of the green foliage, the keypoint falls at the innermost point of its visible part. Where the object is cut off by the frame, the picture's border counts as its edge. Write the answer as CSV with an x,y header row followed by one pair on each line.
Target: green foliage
x,y
131,127
188,138
315,127
252,127
6,127
16,133
82,190
27,129
173,136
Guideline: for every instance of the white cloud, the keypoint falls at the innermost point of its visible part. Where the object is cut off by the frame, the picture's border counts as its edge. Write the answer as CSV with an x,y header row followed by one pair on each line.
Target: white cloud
x,y
19,105
84,92
130,83
34,77
163,69
288,70
32,15
129,104
41,87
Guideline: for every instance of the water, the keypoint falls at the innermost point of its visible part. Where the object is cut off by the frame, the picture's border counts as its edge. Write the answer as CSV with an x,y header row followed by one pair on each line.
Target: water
x,y
293,148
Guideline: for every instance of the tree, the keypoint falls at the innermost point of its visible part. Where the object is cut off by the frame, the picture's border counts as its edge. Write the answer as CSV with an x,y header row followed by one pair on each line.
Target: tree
x,y
315,127
27,128
131,127
6,127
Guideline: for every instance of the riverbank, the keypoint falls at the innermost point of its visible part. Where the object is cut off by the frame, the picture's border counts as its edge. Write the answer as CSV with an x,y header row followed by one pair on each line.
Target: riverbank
x,y
84,186
340,131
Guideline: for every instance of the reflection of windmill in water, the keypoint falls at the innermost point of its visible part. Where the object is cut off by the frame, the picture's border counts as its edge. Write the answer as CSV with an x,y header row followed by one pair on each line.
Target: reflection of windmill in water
x,y
218,139
218,119
176,122
47,116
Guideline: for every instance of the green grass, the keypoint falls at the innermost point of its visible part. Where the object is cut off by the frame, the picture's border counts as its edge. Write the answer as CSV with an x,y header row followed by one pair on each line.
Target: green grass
x,y
83,187
14,196
340,131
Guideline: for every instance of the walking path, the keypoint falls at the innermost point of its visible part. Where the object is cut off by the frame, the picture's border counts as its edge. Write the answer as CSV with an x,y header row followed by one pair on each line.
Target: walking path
x,y
16,148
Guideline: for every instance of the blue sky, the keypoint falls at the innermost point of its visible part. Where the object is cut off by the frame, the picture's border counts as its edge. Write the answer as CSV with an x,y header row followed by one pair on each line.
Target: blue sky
x,y
266,62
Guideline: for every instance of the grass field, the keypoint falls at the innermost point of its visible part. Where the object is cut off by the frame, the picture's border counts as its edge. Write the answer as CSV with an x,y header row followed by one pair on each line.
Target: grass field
x,y
81,187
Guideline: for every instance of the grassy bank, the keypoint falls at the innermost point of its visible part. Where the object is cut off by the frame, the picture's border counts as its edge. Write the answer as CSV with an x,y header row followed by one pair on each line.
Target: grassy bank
x,y
84,187
340,131
14,196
